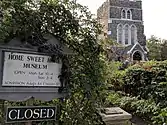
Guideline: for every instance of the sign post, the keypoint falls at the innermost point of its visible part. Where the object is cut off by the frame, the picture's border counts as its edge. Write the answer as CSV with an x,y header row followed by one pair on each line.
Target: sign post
x,y
29,103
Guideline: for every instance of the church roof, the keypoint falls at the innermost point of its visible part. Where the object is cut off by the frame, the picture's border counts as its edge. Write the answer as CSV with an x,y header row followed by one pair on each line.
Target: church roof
x,y
121,51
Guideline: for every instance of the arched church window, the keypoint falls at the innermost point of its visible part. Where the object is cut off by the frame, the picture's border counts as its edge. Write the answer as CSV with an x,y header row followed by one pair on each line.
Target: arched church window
x,y
126,34
133,34
119,33
123,14
129,14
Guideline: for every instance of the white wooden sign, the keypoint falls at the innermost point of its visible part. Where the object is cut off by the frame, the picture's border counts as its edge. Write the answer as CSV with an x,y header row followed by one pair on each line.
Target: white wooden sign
x,y
22,69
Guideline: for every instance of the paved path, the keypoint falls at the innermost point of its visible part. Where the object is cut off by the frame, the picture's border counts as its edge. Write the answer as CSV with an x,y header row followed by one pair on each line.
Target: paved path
x,y
138,121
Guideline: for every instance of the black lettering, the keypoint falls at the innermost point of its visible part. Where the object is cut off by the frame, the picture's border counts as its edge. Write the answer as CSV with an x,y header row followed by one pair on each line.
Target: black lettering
x,y
41,77
31,83
45,66
15,57
19,72
28,58
49,59
40,73
32,73
26,65
35,66
42,59
35,59
39,83
14,83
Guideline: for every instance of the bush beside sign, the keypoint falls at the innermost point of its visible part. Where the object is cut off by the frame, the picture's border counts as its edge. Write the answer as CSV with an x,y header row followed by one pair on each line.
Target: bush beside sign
x,y
25,114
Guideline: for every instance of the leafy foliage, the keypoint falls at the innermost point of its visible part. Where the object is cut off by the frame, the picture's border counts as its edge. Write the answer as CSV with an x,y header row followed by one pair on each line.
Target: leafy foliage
x,y
153,45
143,89
146,82
146,109
157,48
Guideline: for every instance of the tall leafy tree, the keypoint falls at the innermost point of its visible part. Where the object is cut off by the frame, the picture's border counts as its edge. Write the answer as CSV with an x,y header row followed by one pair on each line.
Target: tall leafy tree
x,y
164,50
73,25
157,48
154,46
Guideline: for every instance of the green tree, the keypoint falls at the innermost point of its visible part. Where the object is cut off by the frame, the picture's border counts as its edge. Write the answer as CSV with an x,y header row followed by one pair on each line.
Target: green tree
x,y
73,25
157,48
154,46
164,50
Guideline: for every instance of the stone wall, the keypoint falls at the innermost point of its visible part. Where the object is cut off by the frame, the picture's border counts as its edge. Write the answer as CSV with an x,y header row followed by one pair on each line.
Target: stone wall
x,y
115,12
117,5
103,14
111,9
137,14
127,3
140,30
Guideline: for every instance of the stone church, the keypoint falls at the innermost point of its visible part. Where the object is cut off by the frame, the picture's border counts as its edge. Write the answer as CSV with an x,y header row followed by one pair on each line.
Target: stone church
x,y
123,23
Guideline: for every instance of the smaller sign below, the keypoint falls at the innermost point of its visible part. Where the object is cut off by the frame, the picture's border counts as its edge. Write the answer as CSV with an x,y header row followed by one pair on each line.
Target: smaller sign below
x,y
33,113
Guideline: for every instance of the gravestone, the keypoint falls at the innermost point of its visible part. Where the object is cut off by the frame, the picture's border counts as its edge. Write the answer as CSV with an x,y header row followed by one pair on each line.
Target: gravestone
x,y
116,116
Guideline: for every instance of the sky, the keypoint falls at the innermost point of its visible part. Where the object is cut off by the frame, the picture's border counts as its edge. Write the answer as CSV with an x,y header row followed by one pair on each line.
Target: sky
x,y
154,15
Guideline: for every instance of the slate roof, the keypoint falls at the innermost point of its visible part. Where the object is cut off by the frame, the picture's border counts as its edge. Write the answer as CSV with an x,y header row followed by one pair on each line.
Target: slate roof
x,y
121,50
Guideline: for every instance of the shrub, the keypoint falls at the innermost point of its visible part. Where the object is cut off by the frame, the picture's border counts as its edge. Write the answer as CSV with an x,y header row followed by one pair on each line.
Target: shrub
x,y
147,82
146,109
145,90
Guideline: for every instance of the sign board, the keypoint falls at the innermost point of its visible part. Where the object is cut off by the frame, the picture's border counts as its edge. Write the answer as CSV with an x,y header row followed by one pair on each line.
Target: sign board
x,y
27,73
34,113
22,69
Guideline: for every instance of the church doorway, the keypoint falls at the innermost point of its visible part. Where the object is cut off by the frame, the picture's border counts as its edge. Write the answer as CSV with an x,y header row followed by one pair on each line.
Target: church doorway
x,y
137,56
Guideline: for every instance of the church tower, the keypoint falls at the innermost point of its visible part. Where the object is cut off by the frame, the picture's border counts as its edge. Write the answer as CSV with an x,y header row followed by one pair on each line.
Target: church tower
x,y
123,22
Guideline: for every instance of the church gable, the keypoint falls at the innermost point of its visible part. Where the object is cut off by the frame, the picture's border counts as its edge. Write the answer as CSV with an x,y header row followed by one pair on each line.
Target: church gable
x,y
135,47
137,52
